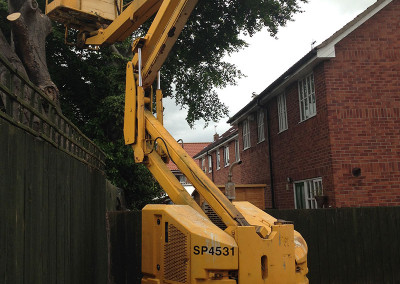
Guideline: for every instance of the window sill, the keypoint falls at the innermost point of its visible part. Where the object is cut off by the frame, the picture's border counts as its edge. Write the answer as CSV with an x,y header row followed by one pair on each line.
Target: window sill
x,y
227,165
244,149
308,118
282,131
259,142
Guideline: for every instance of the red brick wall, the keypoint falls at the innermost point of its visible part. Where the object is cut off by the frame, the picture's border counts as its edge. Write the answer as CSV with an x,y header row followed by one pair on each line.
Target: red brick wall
x,y
302,151
255,162
363,93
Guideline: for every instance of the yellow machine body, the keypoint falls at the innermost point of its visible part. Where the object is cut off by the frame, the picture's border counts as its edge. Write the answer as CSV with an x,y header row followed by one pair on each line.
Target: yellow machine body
x,y
83,14
181,243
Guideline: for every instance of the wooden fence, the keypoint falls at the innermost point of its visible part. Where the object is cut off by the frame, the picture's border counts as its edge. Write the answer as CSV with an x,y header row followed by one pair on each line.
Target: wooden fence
x,y
53,213
348,245
53,192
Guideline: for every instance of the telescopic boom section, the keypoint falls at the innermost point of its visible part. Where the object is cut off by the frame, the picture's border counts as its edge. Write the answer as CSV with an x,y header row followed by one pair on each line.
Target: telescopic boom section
x,y
168,23
215,198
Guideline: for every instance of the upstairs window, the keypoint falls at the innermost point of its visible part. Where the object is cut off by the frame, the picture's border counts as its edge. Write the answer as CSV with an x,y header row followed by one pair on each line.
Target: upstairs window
x,y
260,126
246,134
218,160
307,98
237,154
282,112
203,166
209,164
226,156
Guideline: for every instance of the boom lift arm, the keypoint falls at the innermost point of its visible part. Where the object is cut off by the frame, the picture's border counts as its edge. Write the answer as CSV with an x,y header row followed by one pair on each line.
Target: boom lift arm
x,y
249,230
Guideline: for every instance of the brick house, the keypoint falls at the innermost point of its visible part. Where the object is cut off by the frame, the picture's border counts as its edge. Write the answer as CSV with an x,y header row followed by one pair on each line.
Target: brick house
x,y
217,158
330,125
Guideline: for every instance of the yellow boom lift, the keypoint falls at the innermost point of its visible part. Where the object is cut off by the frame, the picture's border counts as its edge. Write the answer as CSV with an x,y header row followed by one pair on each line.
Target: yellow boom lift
x,y
180,243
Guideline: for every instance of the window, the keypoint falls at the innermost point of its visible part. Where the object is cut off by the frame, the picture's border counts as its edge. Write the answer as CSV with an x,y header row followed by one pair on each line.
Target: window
x,y
260,126
183,180
203,166
218,160
282,112
307,97
209,164
237,154
246,134
305,191
226,156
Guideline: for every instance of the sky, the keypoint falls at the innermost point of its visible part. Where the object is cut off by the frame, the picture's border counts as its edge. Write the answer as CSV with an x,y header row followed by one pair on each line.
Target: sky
x,y
265,60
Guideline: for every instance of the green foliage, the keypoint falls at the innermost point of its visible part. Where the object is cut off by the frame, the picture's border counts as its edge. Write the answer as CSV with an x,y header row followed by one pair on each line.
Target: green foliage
x,y
4,26
92,89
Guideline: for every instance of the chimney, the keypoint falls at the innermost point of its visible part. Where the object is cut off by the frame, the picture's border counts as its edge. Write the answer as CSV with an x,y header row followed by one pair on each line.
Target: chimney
x,y
216,137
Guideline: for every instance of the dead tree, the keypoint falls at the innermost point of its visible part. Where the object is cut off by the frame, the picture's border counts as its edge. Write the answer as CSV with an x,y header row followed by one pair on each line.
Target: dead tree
x,y
30,27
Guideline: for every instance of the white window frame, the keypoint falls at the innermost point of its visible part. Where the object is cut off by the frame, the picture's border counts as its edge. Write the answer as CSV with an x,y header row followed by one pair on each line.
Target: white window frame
x,y
246,134
307,101
183,180
282,112
209,163
237,150
226,155
260,126
203,167
311,188
218,158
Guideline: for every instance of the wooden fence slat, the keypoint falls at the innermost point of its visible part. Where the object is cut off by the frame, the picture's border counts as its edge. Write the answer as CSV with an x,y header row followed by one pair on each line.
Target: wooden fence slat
x,y
358,244
331,235
76,227
395,217
34,209
19,184
52,216
67,220
45,215
376,246
367,240
323,252
312,238
385,231
4,184
9,210
347,231
61,231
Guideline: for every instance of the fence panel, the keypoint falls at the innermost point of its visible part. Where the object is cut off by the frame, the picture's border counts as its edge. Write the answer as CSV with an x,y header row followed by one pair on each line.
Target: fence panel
x,y
53,213
349,245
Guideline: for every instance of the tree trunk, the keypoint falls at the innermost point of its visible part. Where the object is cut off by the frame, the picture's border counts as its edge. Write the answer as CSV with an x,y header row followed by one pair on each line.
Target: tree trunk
x,y
30,27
